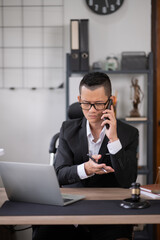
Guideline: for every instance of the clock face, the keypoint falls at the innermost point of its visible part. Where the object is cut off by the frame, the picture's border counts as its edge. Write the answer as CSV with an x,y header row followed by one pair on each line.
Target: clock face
x,y
104,7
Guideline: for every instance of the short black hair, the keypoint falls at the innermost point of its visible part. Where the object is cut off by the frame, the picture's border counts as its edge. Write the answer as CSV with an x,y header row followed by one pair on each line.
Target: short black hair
x,y
94,80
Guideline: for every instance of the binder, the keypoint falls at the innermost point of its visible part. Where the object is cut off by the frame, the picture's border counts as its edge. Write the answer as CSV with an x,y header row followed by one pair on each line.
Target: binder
x,y
75,58
84,46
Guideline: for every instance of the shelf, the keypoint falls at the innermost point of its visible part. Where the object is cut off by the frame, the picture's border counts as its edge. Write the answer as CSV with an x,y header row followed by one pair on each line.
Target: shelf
x,y
145,71
136,122
143,170
33,88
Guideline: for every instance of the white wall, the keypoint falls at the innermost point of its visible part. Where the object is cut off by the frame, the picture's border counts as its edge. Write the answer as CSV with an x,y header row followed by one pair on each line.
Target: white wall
x,y
28,119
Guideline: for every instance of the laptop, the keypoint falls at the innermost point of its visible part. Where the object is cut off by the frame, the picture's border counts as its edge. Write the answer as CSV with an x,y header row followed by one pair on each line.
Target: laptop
x,y
35,183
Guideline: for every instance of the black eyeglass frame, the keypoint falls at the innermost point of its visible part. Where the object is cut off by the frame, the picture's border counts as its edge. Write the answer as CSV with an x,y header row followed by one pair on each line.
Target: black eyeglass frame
x,y
93,104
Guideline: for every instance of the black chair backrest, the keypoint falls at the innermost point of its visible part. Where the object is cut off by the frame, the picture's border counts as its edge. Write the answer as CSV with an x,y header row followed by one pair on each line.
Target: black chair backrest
x,y
52,146
75,111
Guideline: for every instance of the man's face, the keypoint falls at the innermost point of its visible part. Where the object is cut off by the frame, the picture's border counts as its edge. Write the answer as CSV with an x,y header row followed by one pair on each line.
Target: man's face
x,y
93,96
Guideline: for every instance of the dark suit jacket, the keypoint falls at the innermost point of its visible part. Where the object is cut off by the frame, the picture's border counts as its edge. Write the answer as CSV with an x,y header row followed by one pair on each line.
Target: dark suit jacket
x,y
73,149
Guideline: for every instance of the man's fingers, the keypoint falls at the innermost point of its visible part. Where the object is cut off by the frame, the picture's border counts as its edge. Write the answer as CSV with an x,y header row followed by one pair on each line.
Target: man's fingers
x,y
97,157
102,168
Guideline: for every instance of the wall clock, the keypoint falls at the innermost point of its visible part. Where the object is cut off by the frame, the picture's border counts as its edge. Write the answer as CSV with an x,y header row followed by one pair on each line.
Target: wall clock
x,y
104,7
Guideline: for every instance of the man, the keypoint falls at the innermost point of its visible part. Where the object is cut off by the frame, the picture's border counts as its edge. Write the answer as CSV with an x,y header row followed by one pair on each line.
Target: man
x,y
113,149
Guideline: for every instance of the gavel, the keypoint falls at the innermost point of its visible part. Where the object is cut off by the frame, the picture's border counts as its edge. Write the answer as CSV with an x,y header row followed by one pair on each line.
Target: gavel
x,y
135,201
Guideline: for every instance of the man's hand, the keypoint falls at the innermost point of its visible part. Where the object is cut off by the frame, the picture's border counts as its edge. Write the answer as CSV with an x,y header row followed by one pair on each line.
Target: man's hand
x,y
92,167
111,133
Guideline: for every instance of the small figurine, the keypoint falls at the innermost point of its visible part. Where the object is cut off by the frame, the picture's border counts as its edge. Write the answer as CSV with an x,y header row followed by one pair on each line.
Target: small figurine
x,y
97,66
111,63
137,98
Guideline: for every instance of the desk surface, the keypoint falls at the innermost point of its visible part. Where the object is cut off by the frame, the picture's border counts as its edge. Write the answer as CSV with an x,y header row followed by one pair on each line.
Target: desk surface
x,y
91,194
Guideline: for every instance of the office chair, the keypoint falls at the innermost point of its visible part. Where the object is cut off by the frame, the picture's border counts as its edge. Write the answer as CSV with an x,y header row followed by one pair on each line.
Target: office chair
x,y
74,111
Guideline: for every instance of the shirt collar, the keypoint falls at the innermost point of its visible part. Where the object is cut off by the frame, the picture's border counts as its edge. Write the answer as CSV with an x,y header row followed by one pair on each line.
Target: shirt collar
x,y
89,133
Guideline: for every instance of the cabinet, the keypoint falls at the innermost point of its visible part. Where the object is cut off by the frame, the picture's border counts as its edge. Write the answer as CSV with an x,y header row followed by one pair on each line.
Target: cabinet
x,y
147,169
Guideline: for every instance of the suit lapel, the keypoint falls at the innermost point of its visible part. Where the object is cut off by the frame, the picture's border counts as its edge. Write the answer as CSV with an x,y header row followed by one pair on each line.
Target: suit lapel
x,y
83,141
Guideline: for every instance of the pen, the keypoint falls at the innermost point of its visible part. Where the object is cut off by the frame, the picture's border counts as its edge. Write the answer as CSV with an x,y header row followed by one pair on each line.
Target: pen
x,y
104,170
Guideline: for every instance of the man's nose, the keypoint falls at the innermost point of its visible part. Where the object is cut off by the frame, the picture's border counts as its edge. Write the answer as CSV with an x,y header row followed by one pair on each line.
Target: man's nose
x,y
92,109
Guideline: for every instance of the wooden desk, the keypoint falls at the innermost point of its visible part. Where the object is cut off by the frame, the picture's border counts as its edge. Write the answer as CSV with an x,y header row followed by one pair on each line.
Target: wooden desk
x,y
91,194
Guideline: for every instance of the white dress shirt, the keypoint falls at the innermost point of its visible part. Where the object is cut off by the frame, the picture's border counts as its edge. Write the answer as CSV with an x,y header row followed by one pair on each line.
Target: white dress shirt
x,y
94,147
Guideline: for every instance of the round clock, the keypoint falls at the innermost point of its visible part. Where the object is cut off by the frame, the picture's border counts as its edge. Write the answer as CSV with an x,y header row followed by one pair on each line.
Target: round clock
x,y
104,7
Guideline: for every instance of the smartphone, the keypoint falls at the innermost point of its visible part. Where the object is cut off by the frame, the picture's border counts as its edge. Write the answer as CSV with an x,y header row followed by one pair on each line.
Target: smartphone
x,y
110,103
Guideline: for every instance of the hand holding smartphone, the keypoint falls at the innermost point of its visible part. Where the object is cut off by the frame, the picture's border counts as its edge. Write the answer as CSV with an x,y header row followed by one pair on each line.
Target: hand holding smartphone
x,y
110,103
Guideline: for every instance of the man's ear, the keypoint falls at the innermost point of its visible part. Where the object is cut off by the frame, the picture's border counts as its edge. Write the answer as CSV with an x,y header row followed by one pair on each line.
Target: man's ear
x,y
79,98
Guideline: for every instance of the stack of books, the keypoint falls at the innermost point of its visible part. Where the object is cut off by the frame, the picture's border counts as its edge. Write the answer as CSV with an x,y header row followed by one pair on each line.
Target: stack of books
x,y
149,190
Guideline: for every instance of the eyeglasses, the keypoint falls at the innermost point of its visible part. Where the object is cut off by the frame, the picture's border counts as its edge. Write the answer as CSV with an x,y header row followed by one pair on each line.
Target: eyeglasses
x,y
97,106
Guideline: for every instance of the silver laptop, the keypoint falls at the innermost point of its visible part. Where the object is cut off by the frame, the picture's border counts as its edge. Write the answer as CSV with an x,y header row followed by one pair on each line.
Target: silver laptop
x,y
36,183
